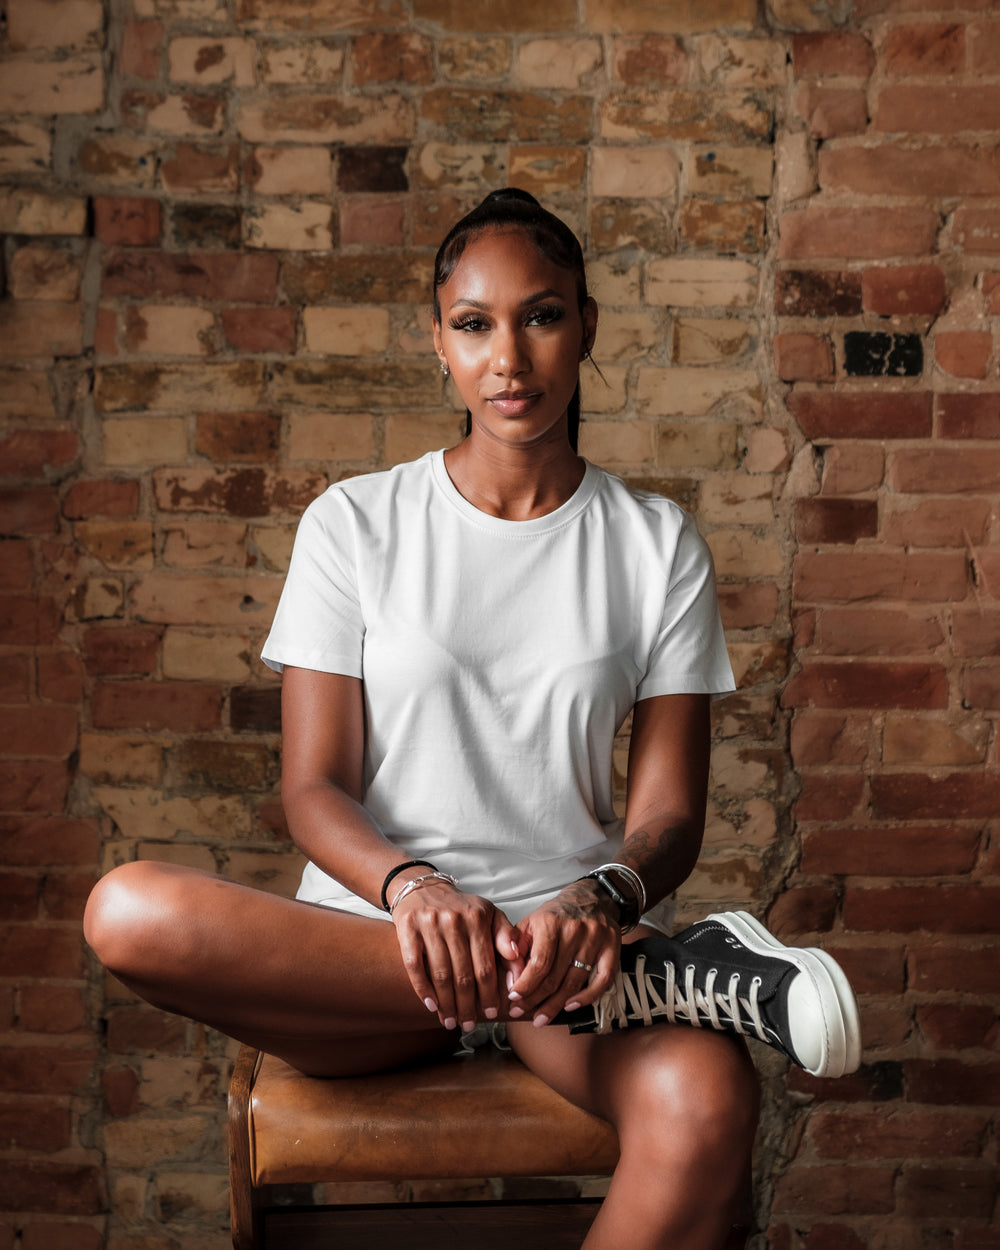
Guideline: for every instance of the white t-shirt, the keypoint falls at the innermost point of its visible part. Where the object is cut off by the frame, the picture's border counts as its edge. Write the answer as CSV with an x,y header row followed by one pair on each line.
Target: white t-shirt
x,y
499,659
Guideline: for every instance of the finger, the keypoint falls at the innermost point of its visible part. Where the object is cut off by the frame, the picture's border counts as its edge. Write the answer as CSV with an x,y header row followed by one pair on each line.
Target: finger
x,y
506,937
463,974
437,955
486,972
412,951
574,984
598,981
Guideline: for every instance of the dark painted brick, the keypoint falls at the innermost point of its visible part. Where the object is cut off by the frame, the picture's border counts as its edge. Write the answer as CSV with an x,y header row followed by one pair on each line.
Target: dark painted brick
x,y
877,355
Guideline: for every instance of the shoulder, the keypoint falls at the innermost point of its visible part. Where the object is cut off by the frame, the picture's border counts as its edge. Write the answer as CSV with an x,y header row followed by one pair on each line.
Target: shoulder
x,y
369,494
645,510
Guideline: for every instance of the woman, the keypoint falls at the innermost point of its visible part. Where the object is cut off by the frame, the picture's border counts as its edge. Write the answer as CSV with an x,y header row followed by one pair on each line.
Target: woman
x,y
461,638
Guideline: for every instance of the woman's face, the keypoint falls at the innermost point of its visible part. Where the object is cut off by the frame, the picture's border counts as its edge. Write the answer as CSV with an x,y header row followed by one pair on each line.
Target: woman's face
x,y
513,336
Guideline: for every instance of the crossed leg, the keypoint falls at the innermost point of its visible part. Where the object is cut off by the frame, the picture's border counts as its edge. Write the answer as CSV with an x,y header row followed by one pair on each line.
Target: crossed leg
x,y
327,992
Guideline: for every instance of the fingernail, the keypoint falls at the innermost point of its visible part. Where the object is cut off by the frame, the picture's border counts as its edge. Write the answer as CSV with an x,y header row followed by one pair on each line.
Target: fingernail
x,y
513,996
571,1007
540,1021
510,979
430,1004
516,1012
451,1023
468,1026
491,1013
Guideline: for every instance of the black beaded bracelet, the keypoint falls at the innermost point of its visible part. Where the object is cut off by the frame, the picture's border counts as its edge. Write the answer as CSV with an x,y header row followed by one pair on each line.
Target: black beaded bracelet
x,y
394,872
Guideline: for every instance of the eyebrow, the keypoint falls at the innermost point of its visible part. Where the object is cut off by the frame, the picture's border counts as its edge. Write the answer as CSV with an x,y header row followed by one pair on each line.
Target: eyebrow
x,y
548,293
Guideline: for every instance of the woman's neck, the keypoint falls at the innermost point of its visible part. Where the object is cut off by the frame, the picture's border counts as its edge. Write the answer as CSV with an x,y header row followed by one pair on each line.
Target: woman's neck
x,y
514,483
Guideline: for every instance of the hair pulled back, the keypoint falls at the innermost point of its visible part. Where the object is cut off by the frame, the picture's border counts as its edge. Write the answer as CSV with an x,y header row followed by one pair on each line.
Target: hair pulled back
x,y
513,209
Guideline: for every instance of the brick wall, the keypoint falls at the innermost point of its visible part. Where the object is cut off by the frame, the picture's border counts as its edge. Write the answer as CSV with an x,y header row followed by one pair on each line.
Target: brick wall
x,y
218,221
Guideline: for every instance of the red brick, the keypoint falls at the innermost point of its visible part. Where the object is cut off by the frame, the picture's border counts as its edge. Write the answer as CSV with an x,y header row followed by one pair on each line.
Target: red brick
x,y
978,1239
238,277
939,523
923,851
201,167
821,683
28,622
903,289
47,1235
65,895
143,1029
366,219
35,786
958,1026
51,1188
748,605
184,707
803,357
817,292
875,1082
40,840
141,50
126,221
891,169
981,687
871,969
975,632
939,1192
915,796
15,678
925,49
101,497
29,510
963,353
121,1091
34,1125
52,1009
121,650
38,730
19,895
260,329
34,453
977,231
383,57
832,1237
803,909
832,111
931,909
651,61
40,952
223,436
901,1134
953,1082
834,1191
16,565
835,520
829,54
938,110
862,233
833,576
60,677
944,471
876,631
833,796
862,414
967,415
825,738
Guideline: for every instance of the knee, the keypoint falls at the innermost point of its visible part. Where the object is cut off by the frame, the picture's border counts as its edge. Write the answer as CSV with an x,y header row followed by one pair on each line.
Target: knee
x,y
123,913
701,1102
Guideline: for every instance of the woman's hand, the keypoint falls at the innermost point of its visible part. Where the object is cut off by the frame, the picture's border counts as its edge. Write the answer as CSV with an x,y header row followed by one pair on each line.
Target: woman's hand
x,y
577,925
450,943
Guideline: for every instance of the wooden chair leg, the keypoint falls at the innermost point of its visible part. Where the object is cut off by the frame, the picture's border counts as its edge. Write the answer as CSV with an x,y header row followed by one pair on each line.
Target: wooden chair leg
x,y
244,1217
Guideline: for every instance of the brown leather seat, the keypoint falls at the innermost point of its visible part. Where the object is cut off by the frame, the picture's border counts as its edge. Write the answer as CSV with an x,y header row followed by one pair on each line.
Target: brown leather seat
x,y
481,1116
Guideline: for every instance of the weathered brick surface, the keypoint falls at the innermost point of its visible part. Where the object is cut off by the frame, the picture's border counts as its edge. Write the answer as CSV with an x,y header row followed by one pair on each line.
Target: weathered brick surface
x,y
219,223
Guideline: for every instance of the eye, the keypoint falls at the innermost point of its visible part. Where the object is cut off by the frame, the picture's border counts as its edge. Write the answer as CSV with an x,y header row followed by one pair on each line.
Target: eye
x,y
544,315
471,323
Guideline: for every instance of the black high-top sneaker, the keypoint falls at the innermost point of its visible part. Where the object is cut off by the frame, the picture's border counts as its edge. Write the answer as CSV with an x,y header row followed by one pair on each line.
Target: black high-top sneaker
x,y
728,973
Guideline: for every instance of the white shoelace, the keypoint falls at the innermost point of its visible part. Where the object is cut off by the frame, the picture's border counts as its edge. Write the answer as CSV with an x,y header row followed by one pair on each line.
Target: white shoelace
x,y
635,997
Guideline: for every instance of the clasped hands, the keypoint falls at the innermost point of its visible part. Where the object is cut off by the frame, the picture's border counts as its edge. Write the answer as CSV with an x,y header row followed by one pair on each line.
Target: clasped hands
x,y
467,962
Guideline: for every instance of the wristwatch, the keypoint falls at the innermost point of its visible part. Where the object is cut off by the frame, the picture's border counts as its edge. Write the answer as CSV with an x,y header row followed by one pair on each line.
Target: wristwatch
x,y
628,908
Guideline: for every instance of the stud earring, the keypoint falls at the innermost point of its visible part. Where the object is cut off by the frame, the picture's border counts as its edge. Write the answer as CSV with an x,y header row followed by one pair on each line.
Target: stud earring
x,y
445,370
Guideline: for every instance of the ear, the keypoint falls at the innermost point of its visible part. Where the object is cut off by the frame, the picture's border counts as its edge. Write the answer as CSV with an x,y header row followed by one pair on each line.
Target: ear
x,y
438,342
588,314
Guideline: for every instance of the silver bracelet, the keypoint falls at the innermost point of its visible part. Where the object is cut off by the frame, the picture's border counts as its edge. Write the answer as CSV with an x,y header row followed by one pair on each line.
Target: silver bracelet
x,y
415,882
633,879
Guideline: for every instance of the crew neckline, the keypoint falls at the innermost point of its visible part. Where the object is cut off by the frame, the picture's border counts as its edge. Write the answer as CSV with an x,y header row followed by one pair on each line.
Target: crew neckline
x,y
561,516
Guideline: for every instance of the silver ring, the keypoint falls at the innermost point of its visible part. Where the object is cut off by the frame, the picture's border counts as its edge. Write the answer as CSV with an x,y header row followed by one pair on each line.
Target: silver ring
x,y
585,967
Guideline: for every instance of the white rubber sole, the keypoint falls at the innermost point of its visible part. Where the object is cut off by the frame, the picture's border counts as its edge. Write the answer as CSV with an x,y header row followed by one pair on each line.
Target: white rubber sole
x,y
836,1034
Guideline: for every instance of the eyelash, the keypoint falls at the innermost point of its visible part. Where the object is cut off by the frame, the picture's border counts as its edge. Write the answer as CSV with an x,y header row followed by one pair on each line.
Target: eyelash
x,y
542,314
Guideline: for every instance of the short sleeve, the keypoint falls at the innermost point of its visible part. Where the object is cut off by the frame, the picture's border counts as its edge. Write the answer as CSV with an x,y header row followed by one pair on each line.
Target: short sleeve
x,y
319,623
689,654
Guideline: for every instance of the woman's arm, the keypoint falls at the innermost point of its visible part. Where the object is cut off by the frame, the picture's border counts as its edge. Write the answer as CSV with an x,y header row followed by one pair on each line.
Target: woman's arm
x,y
664,825
448,940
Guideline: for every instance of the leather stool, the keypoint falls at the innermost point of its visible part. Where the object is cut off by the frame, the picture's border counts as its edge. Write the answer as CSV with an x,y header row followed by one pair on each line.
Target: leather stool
x,y
483,1115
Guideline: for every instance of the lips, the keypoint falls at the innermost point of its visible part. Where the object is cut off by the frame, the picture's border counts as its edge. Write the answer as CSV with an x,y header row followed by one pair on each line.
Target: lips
x,y
514,403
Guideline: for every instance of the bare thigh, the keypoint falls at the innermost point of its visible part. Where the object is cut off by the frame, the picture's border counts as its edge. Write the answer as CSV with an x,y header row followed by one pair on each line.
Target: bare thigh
x,y
325,990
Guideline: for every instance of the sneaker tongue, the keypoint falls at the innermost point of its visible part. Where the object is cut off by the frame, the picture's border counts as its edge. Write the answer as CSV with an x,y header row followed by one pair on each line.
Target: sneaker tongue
x,y
712,946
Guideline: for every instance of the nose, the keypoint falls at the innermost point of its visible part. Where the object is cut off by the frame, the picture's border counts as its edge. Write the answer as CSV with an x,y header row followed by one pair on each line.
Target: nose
x,y
510,355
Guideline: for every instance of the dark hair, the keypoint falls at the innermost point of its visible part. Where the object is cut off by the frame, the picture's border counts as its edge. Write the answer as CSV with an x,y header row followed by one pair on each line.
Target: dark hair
x,y
513,209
